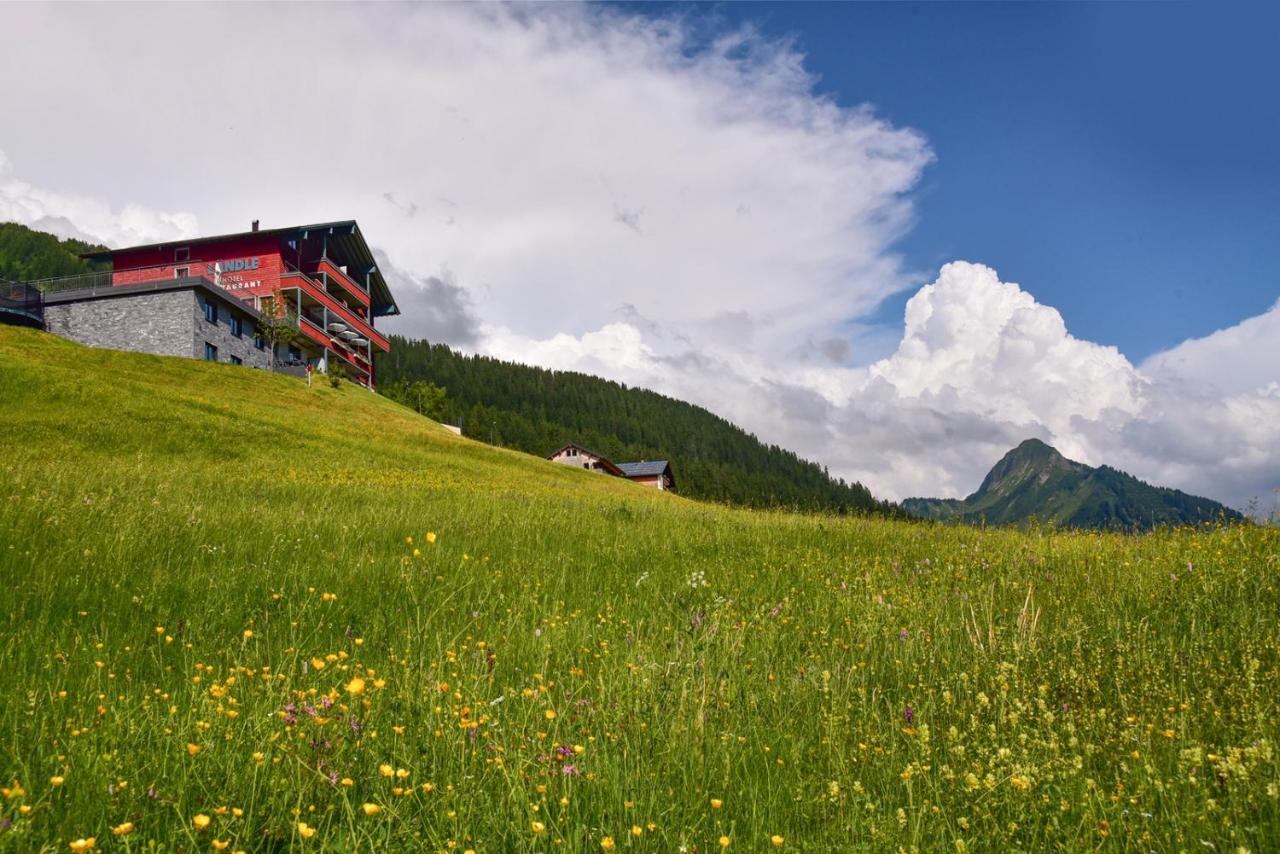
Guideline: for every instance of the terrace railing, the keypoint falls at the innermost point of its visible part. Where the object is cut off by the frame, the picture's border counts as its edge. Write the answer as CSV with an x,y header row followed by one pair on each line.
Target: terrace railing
x,y
92,281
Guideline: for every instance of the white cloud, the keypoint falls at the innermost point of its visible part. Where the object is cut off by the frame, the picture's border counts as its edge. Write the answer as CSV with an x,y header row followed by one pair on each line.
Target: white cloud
x,y
85,218
582,188
1241,358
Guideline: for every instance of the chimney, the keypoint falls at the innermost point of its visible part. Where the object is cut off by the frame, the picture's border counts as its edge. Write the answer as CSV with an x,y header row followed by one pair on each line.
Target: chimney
x,y
255,225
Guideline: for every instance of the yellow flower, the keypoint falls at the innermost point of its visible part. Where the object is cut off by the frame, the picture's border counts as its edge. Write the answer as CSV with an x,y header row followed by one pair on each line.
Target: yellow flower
x,y
15,790
724,841
776,841
348,782
431,537
221,844
716,803
537,826
386,770
636,830
607,843
84,844
355,687
305,830
193,749
317,662
549,714
55,781
248,633
371,809
201,821
123,829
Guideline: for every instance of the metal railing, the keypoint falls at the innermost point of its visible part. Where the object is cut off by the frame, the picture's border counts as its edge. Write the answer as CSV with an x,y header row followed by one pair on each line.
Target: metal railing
x,y
79,282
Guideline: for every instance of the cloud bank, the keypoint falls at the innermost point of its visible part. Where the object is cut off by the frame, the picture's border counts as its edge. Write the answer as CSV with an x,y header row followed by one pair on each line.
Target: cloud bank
x,y
647,198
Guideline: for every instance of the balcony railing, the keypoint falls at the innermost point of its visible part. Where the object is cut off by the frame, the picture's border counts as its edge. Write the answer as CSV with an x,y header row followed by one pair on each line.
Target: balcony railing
x,y
92,281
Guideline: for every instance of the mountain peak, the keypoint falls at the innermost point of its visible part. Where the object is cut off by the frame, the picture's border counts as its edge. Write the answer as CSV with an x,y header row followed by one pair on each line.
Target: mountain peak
x,y
1034,479
1032,460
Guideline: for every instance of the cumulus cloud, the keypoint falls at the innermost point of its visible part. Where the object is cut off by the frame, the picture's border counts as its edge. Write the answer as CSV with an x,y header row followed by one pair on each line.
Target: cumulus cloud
x,y
981,366
629,195
85,218
1241,358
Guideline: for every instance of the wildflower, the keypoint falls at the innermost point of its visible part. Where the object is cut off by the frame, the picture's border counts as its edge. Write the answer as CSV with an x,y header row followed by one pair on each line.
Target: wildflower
x,y
221,844
84,844
14,790
607,844
55,781
305,830
431,537
776,841
355,687
193,749
371,809
537,826
716,803
636,830
724,841
123,829
386,770
248,633
201,821
550,714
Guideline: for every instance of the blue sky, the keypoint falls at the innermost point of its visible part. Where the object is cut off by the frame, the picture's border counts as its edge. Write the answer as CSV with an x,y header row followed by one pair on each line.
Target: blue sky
x,y
1120,161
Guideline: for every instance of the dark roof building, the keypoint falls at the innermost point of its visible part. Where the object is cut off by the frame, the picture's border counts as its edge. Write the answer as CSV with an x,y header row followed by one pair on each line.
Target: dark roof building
x,y
655,473
322,276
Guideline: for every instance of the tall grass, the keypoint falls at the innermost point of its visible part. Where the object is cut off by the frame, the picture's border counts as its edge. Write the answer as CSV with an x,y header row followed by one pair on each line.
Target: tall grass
x,y
247,613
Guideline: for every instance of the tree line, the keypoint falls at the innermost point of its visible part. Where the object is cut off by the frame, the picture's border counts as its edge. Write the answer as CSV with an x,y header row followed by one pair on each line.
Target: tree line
x,y
537,410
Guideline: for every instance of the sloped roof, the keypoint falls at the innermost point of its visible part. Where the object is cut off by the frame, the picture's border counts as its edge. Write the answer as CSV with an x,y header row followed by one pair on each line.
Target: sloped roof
x,y
645,468
345,236
601,458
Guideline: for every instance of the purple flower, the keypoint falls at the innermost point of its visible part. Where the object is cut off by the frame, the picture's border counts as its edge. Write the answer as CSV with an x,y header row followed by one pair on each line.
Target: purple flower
x,y
564,751
326,702
902,634
910,714
570,770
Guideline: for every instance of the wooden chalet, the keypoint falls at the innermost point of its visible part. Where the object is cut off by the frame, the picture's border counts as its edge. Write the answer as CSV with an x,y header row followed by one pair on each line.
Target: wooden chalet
x,y
652,473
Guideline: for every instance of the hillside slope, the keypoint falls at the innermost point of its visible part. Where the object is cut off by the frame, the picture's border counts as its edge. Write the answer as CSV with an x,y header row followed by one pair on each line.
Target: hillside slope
x,y
1035,481
536,411
27,254
243,611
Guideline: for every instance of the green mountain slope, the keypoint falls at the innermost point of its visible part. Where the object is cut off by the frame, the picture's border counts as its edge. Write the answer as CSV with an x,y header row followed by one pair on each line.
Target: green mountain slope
x,y
1035,481
276,618
27,254
536,411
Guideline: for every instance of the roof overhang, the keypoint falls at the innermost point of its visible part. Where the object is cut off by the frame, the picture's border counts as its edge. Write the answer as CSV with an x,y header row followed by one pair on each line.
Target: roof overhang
x,y
344,235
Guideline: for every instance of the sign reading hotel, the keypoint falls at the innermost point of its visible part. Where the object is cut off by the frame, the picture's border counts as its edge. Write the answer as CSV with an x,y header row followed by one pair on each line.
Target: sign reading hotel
x,y
227,273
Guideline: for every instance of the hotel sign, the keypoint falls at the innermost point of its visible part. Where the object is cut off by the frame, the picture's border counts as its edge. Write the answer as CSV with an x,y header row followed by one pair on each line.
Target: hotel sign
x,y
227,273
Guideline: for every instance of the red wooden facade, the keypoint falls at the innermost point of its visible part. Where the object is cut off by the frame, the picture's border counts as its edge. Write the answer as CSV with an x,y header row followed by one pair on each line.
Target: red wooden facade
x,y
324,273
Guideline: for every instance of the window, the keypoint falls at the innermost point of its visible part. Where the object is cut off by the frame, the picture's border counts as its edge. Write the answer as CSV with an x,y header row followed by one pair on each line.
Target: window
x,y
182,253
294,353
237,326
210,311
181,272
259,342
210,352
236,360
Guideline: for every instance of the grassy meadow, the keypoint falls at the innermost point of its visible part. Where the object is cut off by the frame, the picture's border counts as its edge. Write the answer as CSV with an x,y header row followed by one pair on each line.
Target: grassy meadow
x,y
246,615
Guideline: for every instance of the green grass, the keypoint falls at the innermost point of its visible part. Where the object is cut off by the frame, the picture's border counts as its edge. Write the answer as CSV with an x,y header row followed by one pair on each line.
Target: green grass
x,y
1075,691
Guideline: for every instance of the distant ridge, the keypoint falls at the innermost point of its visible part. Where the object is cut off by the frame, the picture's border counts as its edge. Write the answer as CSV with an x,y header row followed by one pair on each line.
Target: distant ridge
x,y
1035,481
